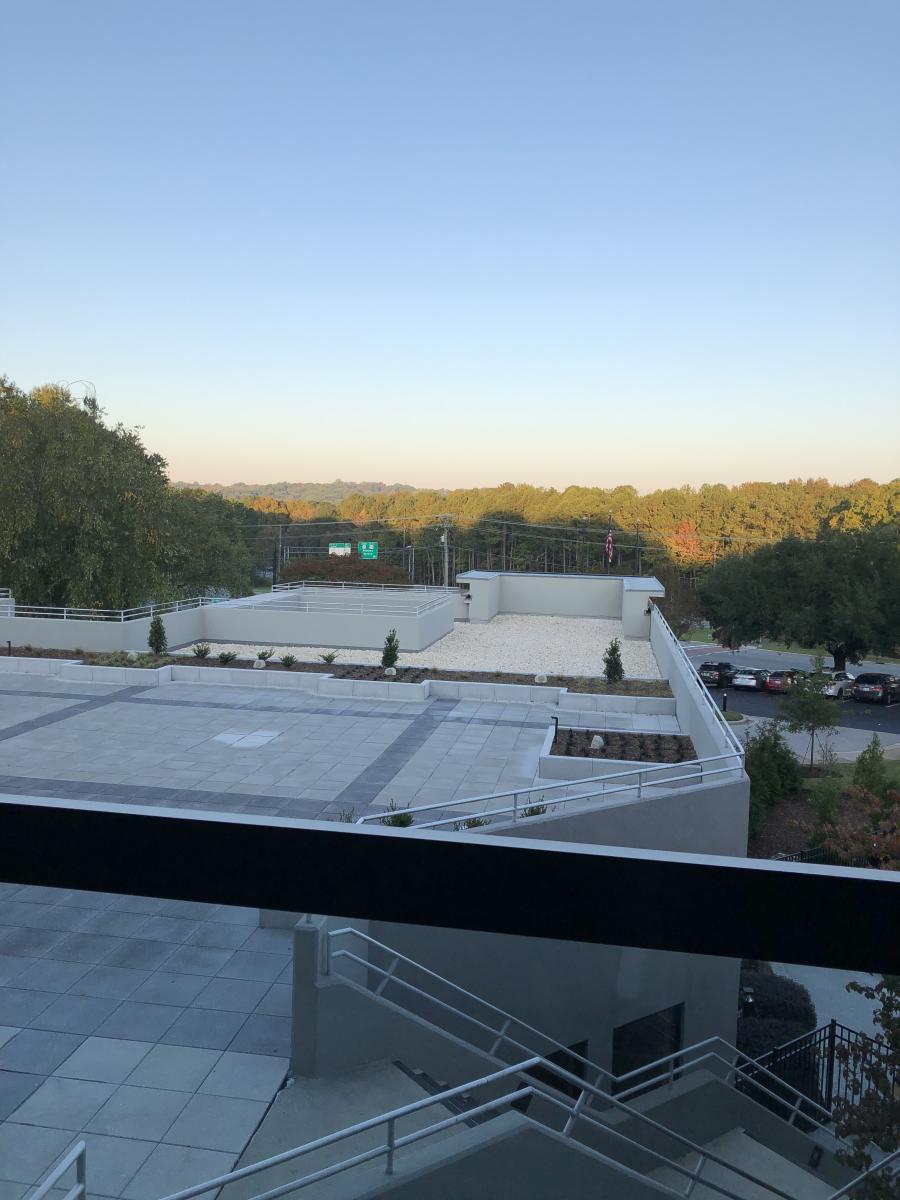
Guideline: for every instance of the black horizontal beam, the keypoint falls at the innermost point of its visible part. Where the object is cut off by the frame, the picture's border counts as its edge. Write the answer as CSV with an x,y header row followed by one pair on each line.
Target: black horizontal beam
x,y
699,904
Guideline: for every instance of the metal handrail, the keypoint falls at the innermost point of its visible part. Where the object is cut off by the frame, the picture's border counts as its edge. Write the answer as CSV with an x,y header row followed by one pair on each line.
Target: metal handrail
x,y
10,608
76,1156
386,1118
867,1174
675,1062
372,587
359,607
543,788
73,613
577,1110
516,812
733,740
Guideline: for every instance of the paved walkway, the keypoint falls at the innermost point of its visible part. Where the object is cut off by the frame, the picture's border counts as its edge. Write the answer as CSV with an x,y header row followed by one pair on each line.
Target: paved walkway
x,y
158,1031
233,749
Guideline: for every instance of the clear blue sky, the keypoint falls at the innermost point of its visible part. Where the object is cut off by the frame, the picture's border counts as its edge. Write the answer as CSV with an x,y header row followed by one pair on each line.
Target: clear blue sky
x,y
455,243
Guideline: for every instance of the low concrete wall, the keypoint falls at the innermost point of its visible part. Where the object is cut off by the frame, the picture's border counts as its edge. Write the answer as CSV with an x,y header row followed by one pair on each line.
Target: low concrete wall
x,y
102,636
338,1025
706,818
265,625
695,716
636,594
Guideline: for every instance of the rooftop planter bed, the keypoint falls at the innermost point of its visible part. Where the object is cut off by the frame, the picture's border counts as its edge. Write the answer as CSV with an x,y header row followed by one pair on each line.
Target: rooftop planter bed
x,y
624,747
593,685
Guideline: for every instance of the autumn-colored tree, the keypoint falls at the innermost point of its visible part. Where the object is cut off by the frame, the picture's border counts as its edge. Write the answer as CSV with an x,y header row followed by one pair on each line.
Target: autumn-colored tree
x,y
870,1115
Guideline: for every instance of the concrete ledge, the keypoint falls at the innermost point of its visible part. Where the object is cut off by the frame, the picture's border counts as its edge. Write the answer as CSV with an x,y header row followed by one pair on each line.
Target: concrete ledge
x,y
15,665
656,706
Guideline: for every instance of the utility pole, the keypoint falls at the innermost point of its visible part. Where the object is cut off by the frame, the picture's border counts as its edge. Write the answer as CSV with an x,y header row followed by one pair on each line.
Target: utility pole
x,y
445,542
638,547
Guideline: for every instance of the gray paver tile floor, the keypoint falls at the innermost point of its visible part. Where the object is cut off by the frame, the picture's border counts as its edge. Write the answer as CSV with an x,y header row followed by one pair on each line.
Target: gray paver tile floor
x,y
261,750
165,1069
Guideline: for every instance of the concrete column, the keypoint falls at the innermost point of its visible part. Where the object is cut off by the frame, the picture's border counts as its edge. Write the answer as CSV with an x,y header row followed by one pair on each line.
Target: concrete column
x,y
305,1002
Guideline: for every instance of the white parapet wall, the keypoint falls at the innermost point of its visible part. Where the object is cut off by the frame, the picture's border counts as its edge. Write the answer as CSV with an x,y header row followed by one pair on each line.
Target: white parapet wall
x,y
343,618
618,597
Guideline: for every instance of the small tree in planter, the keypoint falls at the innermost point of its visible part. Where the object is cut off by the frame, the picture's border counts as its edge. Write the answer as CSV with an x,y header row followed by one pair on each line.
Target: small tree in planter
x,y
612,662
391,651
156,636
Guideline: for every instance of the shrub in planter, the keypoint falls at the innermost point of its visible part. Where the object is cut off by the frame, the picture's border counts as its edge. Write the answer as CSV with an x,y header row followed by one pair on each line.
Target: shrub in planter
x,y
227,656
612,662
201,650
288,661
391,651
265,655
397,816
156,636
330,657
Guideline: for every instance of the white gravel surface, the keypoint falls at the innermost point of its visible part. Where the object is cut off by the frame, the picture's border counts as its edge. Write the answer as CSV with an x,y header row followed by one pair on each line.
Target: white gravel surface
x,y
548,645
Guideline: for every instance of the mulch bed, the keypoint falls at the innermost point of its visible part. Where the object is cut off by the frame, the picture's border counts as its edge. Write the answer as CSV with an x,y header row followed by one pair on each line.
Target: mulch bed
x,y
575,683
632,747
788,828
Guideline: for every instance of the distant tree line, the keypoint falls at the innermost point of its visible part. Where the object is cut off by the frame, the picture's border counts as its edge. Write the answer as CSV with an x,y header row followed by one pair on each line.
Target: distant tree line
x,y
87,517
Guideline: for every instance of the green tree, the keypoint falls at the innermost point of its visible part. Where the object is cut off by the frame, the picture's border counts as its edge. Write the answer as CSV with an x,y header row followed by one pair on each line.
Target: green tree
x,y
612,662
772,768
156,636
807,708
869,771
87,517
840,590
391,651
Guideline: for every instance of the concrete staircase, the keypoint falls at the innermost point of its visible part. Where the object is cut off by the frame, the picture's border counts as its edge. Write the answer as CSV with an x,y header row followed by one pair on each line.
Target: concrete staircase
x,y
743,1151
313,1108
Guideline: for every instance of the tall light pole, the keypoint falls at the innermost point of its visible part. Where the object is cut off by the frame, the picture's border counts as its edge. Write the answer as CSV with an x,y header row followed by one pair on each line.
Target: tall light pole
x,y
445,520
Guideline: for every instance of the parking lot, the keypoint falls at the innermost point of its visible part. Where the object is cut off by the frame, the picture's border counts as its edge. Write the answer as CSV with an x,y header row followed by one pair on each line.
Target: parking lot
x,y
880,719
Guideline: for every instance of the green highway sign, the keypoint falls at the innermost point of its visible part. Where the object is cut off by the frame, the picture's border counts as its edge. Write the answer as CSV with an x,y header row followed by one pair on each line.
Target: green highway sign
x,y
341,549
367,549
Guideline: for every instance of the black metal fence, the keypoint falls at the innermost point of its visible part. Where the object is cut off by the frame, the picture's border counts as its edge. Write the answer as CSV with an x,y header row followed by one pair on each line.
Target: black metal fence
x,y
833,1064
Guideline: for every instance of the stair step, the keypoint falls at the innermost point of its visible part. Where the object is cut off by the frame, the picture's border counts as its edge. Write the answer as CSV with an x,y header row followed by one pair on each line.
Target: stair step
x,y
743,1151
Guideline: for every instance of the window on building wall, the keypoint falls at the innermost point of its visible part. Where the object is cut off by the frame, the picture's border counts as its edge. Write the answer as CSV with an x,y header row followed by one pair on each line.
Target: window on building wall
x,y
645,1041
571,1060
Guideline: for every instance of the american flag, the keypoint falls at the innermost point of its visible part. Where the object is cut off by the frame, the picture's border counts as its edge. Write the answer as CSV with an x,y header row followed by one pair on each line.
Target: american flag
x,y
609,545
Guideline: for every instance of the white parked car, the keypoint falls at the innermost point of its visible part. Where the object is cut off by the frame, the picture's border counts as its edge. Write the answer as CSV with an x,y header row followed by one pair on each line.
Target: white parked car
x,y
840,684
751,678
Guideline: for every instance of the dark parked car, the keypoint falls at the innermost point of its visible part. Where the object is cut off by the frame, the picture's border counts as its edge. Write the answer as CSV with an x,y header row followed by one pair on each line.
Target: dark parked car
x,y
782,681
876,688
717,674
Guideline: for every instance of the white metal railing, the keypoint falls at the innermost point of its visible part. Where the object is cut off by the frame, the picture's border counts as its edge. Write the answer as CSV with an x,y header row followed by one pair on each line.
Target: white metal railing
x,y
73,613
713,1050
664,626
9,608
372,587
523,801
75,1157
352,607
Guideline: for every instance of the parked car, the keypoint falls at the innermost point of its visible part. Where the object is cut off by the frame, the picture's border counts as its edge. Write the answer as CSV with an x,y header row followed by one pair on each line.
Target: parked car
x,y
751,678
876,688
782,681
717,674
840,684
